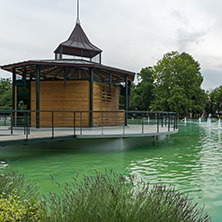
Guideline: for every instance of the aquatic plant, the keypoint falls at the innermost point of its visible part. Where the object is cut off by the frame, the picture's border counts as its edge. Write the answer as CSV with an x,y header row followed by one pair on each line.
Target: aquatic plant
x,y
111,197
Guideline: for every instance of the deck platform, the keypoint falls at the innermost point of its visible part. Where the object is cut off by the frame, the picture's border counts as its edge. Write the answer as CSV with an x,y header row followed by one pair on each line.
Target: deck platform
x,y
42,135
138,127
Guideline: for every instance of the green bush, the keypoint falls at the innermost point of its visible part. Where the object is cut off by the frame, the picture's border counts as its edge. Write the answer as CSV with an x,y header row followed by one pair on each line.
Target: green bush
x,y
113,197
13,209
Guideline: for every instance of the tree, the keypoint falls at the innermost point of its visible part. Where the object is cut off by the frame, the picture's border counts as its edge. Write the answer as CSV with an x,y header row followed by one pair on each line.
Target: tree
x,y
178,84
214,103
6,94
142,93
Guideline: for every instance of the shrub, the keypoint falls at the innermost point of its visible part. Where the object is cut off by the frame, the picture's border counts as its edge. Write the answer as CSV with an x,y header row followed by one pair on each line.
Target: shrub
x,y
12,209
106,197
112,197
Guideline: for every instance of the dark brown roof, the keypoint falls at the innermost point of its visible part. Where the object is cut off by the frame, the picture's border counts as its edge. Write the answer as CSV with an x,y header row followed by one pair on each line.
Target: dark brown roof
x,y
78,44
49,68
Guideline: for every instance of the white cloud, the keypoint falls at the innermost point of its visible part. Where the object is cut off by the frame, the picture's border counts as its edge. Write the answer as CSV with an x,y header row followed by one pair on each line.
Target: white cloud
x,y
132,33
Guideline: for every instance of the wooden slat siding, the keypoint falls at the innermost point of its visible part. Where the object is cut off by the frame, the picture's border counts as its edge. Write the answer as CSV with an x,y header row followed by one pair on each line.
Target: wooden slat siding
x,y
98,104
74,97
109,119
54,96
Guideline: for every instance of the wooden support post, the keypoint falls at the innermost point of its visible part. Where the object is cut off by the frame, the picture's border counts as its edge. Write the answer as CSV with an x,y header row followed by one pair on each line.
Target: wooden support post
x,y
37,95
91,99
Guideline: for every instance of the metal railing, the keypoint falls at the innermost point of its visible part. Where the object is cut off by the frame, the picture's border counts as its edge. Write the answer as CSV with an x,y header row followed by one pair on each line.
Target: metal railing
x,y
51,124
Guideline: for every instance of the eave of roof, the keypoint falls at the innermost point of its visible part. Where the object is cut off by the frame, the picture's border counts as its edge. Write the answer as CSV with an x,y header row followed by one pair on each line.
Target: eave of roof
x,y
67,63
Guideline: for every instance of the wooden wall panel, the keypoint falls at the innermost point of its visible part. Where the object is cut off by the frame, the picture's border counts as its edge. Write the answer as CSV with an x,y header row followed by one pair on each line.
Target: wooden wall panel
x,y
98,104
108,119
55,96
74,97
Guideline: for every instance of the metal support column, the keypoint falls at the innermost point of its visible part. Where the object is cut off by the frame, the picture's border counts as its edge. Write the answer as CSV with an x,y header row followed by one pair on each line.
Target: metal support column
x,y
100,58
13,97
91,99
37,95
60,53
126,99
24,77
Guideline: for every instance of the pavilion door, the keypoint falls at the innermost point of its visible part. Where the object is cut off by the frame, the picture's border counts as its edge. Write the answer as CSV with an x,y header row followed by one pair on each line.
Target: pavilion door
x,y
23,103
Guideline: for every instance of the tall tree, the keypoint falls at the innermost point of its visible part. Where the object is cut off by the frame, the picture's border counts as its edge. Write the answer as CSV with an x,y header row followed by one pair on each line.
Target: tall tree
x,y
142,93
178,84
214,103
5,94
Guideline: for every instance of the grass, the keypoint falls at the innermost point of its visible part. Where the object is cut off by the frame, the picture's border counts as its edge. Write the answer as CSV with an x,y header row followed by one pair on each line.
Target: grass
x,y
110,196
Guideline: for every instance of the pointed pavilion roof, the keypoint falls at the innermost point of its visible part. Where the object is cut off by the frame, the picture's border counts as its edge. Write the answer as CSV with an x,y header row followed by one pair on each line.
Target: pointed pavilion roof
x,y
78,44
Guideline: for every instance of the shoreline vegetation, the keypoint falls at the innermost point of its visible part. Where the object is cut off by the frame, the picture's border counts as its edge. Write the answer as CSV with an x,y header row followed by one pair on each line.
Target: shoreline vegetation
x,y
106,196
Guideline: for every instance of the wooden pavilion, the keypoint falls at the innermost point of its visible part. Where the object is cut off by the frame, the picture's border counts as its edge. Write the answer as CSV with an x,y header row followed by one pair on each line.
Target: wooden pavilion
x,y
72,81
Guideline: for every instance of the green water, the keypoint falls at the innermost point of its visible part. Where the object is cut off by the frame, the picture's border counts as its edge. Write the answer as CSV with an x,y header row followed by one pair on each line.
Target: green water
x,y
190,160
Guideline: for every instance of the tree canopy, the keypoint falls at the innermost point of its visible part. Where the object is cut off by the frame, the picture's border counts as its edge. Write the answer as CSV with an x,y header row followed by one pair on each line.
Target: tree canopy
x,y
142,93
177,85
5,94
214,103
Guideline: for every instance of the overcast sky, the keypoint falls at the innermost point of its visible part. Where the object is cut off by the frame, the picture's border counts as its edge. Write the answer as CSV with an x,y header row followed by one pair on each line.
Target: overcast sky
x,y
132,33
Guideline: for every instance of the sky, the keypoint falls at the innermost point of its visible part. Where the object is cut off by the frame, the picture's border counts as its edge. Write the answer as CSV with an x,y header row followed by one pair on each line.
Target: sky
x,y
133,34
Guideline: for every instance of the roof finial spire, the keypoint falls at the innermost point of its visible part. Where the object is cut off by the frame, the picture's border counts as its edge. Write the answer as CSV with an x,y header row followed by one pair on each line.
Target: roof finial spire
x,y
78,20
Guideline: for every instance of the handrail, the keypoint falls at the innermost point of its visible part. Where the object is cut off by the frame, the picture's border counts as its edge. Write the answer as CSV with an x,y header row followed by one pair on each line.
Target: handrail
x,y
84,111
78,123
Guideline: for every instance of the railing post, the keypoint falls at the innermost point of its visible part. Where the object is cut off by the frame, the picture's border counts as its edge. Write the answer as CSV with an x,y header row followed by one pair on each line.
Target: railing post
x,y
162,120
52,124
168,122
124,124
12,122
4,119
158,123
80,123
26,126
142,125
74,123
102,122
176,121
